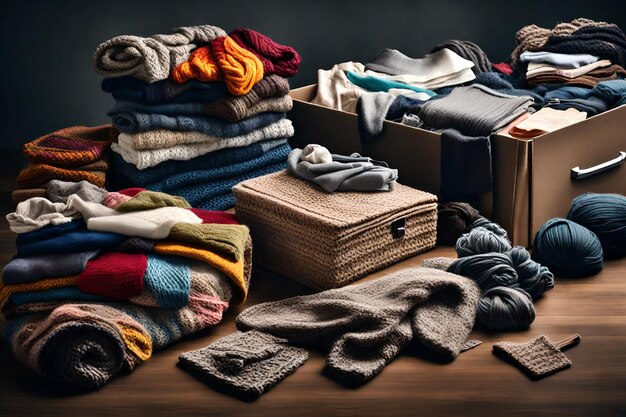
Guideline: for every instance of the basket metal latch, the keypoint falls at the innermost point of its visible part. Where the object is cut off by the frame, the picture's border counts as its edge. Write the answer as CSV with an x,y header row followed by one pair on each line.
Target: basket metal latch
x,y
397,228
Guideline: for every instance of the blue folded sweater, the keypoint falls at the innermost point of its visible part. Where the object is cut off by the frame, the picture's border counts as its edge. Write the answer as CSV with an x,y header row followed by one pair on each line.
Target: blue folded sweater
x,y
133,122
123,175
133,89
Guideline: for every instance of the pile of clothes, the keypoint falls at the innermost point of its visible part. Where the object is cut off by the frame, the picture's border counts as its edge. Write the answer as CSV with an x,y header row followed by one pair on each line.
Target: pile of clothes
x,y
582,52
103,279
198,110
556,78
74,153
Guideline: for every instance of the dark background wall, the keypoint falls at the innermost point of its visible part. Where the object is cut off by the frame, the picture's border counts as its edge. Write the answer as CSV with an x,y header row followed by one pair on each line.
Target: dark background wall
x,y
47,82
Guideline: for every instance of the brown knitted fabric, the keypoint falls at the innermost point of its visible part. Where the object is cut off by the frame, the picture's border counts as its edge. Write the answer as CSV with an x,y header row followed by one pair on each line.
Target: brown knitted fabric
x,y
442,263
591,79
538,357
533,38
365,326
244,364
235,108
37,175
99,165
69,147
327,240
18,196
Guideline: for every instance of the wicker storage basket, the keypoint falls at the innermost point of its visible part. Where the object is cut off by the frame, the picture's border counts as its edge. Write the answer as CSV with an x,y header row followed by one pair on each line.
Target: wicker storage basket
x,y
327,240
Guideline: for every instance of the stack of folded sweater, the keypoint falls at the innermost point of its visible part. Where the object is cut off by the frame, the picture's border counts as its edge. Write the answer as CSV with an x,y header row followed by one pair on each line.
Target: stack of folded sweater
x,y
101,279
198,110
72,154
582,52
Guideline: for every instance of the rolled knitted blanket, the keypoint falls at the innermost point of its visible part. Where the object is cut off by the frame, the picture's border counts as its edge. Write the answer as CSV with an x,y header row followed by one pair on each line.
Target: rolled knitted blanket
x,y
69,147
125,175
133,122
150,59
277,59
164,91
200,144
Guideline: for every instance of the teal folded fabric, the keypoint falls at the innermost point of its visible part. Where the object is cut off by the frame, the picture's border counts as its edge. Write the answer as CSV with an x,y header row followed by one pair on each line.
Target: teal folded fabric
x,y
168,279
375,84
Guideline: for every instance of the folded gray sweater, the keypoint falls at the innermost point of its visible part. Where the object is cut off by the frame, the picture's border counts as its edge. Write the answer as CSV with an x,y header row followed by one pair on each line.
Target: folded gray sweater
x,y
344,173
365,326
474,110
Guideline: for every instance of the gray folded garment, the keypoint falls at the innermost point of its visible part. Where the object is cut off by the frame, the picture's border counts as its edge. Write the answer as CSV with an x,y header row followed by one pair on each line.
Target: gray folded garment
x,y
244,364
59,191
151,59
475,110
345,173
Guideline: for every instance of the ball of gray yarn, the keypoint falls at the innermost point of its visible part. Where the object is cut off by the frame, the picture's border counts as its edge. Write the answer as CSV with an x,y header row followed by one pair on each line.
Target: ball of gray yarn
x,y
487,224
481,240
489,270
532,276
502,308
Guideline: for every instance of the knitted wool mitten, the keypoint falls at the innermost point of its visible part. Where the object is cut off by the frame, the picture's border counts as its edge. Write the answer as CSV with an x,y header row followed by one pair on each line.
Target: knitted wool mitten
x,y
539,357
244,364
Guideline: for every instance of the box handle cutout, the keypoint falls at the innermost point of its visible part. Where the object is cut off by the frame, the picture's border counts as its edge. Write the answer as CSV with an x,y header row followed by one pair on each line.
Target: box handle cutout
x,y
397,228
579,174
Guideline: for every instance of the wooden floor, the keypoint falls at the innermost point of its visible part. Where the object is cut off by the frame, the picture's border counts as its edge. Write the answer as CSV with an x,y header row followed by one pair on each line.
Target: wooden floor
x,y
476,384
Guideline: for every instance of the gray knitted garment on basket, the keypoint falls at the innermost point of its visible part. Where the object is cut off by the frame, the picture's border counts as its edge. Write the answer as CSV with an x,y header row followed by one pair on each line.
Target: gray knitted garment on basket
x,y
366,325
475,110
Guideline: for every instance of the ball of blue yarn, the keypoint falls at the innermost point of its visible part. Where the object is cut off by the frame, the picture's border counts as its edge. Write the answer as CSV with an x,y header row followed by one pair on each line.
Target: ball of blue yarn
x,y
568,249
481,240
502,308
534,278
604,215
489,270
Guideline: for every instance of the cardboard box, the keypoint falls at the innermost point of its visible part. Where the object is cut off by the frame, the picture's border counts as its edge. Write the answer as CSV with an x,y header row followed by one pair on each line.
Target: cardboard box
x,y
533,178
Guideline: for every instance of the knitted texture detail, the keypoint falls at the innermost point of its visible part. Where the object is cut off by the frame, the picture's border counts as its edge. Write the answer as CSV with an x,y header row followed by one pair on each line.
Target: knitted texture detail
x,y
169,280
366,325
538,357
533,37
277,59
114,275
226,239
223,60
146,200
244,364
164,145
150,59
39,174
69,147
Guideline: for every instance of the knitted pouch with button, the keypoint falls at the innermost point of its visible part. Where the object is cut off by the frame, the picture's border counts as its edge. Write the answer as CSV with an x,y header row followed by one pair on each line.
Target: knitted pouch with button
x,y
244,364
538,357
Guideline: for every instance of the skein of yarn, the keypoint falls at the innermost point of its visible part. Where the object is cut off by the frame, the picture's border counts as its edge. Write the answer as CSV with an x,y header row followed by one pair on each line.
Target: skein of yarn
x,y
487,224
604,215
502,308
489,270
481,240
452,219
568,249
534,278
